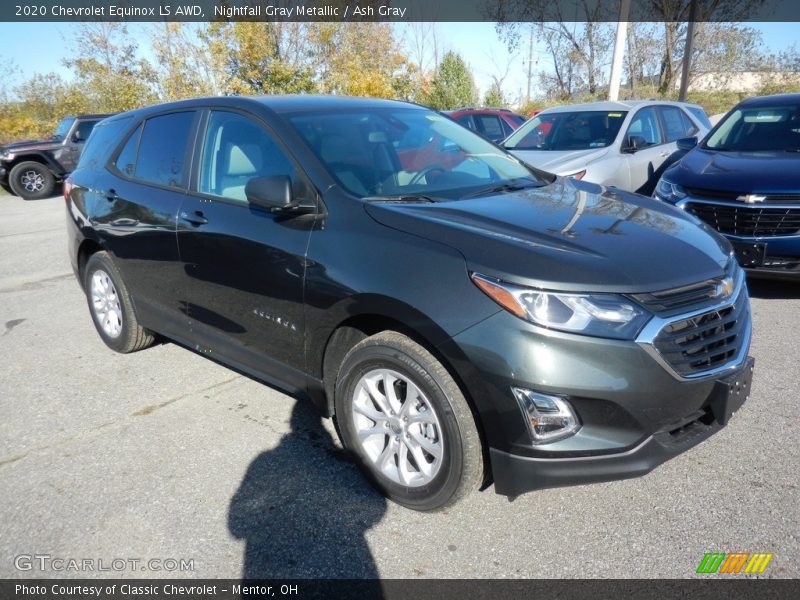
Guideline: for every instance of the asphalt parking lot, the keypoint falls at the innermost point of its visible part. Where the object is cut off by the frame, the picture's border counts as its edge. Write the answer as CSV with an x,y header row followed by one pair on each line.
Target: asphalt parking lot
x,y
164,455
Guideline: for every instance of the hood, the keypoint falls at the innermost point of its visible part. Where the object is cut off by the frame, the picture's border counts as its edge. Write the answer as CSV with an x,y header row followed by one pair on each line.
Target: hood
x,y
740,172
31,145
569,235
559,162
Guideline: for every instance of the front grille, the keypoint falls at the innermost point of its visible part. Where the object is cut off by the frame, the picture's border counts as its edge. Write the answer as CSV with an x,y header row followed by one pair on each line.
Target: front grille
x,y
748,221
723,195
686,298
704,342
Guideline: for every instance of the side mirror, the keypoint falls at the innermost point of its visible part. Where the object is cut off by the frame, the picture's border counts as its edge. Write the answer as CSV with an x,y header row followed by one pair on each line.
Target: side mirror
x,y
76,137
635,143
687,143
273,193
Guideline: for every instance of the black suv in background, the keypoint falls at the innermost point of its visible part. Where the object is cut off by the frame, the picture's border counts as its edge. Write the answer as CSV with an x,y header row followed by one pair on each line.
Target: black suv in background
x,y
30,169
463,317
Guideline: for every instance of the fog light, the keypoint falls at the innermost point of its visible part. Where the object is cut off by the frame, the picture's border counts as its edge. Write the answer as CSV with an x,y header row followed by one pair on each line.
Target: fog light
x,y
549,418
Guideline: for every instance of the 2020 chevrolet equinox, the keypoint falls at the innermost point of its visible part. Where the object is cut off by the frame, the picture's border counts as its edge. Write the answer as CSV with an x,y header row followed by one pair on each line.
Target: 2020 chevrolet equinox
x,y
464,317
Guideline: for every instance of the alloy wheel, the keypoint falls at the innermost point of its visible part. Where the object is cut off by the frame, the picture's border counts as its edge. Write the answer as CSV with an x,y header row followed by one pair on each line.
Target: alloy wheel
x,y
32,181
397,428
105,304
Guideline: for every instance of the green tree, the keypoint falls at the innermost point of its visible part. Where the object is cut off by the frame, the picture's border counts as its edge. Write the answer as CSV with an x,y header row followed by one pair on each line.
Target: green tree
x,y
494,97
107,70
360,59
262,57
184,66
452,85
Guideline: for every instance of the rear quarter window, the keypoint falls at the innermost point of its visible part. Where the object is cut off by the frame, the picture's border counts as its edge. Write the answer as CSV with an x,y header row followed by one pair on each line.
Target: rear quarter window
x,y
101,143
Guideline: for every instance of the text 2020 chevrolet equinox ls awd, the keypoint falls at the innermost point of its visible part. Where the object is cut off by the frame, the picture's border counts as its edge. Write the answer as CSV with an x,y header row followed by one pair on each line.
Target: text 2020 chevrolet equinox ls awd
x,y
464,317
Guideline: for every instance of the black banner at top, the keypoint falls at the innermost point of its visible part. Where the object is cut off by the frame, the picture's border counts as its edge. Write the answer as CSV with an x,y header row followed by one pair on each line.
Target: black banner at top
x,y
396,10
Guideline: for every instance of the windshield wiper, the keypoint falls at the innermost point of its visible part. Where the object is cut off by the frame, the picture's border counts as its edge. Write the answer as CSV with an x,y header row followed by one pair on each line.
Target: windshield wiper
x,y
406,198
504,187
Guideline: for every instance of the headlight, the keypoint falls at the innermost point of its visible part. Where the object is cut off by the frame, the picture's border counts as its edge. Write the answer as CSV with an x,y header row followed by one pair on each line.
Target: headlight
x,y
671,192
579,175
5,155
600,315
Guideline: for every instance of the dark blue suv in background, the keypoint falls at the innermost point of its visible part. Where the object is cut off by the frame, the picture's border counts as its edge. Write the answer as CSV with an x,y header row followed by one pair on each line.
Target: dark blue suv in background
x,y
744,181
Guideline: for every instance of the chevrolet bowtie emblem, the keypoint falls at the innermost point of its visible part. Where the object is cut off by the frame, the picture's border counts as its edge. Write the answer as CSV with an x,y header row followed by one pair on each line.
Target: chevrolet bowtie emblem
x,y
751,198
724,288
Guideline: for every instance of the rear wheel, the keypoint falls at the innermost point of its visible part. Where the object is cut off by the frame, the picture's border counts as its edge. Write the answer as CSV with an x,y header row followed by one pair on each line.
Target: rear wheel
x,y
111,308
401,413
31,180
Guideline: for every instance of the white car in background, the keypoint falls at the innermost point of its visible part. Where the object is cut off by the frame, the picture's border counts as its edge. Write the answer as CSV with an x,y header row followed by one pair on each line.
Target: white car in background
x,y
624,144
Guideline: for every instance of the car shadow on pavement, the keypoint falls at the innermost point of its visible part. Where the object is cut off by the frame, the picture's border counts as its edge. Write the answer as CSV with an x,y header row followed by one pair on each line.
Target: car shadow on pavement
x,y
303,509
772,289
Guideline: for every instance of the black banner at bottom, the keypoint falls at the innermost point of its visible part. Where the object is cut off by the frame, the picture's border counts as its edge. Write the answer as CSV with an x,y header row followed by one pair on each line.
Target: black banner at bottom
x,y
397,589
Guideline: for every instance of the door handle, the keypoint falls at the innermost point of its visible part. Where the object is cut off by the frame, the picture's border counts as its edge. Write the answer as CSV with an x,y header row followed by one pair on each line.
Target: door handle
x,y
195,218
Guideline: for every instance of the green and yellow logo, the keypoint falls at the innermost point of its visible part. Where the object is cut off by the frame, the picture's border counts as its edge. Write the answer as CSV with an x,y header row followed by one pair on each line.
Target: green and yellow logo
x,y
734,562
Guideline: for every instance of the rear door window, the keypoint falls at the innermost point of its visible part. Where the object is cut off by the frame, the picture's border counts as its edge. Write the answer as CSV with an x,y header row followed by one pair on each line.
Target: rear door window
x,y
162,155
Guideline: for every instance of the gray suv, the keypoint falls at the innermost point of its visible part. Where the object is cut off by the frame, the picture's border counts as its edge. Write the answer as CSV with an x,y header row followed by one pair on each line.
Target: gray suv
x,y
462,316
625,144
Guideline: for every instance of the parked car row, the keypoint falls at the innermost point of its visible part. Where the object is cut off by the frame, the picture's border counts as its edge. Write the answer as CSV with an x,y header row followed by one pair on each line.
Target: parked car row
x,y
464,314
741,178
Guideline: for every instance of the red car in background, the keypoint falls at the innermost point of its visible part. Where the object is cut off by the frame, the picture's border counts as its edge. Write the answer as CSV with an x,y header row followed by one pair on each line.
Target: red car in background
x,y
495,124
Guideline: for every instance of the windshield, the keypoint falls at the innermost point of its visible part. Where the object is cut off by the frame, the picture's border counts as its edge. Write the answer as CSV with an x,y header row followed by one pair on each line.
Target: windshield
x,y
407,152
758,129
63,128
582,130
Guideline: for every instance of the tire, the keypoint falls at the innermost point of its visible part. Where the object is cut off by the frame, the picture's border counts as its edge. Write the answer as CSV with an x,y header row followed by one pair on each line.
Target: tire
x,y
426,453
31,181
111,308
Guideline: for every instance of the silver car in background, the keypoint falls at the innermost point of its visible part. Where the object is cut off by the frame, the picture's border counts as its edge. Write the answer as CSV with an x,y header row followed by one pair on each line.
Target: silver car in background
x,y
625,144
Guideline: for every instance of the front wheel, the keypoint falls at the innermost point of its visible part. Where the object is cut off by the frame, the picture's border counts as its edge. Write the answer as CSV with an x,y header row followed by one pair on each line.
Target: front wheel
x,y
31,181
111,307
406,420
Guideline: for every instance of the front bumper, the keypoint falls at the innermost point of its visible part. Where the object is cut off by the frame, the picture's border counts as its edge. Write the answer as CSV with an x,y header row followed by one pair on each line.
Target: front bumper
x,y
635,413
515,474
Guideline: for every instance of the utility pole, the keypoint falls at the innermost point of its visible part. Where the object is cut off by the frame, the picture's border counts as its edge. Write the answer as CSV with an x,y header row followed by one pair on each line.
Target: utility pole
x,y
687,52
530,62
619,50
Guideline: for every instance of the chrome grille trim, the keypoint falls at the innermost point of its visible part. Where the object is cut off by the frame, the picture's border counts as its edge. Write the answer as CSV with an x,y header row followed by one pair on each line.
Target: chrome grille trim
x,y
679,300
663,338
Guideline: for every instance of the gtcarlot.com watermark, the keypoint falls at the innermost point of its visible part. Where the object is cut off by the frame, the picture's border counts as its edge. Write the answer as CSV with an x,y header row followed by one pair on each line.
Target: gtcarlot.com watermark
x,y
60,564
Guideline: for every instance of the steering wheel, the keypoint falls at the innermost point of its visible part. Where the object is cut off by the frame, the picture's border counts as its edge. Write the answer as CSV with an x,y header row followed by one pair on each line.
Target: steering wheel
x,y
418,177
